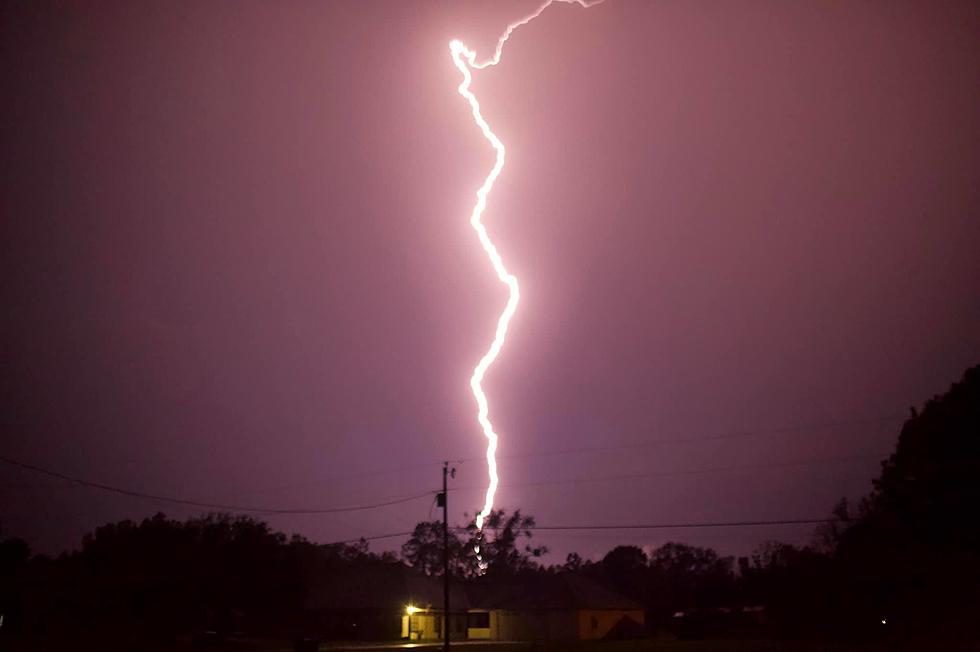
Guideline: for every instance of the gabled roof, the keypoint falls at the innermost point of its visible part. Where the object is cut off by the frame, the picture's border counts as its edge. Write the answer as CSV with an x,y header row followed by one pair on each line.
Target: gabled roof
x,y
562,591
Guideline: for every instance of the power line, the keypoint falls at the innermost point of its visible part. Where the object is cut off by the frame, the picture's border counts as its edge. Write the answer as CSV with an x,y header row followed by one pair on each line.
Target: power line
x,y
826,425
552,528
404,499
374,537
664,474
623,526
669,526
420,465
197,503
715,437
334,479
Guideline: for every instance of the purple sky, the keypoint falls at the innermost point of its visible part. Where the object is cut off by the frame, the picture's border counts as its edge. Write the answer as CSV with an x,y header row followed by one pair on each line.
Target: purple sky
x,y
236,264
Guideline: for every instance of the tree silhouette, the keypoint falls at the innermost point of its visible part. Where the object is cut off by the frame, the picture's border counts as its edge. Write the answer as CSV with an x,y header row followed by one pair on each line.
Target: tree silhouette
x,y
908,557
424,551
14,555
914,550
500,543
626,568
683,576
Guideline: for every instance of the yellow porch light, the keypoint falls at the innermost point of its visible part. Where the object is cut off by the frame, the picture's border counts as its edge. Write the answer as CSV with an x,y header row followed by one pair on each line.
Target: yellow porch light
x,y
412,609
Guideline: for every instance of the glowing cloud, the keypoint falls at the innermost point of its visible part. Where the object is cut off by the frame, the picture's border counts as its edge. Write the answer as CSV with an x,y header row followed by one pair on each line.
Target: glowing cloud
x,y
465,60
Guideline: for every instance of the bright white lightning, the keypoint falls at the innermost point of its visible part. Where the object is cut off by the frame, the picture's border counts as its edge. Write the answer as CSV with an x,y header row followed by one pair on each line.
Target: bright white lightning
x,y
465,60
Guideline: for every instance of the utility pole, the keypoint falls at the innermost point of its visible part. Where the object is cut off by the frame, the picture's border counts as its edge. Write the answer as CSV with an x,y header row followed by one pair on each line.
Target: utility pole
x,y
445,553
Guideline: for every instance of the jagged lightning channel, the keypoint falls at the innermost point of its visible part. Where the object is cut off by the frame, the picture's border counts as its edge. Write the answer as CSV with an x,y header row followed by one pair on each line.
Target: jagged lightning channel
x,y
465,60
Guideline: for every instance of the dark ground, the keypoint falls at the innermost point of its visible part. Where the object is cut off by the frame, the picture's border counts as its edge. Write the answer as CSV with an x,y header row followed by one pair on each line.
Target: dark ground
x,y
629,646
652,646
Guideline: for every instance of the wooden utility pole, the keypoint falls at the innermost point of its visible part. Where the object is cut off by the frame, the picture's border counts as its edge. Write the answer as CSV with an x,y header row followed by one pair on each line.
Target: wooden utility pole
x,y
445,554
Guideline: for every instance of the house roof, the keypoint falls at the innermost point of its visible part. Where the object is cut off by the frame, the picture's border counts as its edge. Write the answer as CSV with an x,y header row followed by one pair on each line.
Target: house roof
x,y
381,586
562,591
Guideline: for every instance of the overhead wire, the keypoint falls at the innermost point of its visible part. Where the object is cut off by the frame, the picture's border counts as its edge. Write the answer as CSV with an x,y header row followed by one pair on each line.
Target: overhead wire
x,y
684,525
619,526
531,454
714,437
543,528
404,499
742,434
626,446
664,474
200,503
373,537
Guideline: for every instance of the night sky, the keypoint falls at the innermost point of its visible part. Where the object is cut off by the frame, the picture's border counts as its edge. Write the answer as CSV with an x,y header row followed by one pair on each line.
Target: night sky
x,y
237,267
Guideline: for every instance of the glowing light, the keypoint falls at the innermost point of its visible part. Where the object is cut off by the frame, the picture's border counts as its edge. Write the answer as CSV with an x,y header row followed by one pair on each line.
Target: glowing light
x,y
465,60
411,610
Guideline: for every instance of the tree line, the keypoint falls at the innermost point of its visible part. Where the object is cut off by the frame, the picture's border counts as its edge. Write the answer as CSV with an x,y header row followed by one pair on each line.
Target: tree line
x,y
904,562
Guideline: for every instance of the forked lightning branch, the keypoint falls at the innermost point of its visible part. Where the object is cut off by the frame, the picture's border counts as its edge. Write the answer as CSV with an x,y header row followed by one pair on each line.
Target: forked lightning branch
x,y
465,60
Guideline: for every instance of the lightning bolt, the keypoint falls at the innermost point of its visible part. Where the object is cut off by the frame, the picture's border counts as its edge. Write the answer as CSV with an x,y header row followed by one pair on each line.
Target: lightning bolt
x,y
465,59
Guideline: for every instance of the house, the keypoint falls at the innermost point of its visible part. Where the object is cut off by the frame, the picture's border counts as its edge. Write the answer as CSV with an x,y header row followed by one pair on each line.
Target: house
x,y
552,607
384,601
426,623
388,601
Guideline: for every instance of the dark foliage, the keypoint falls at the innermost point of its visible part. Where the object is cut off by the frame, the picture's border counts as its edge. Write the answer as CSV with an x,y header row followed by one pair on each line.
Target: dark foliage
x,y
904,568
140,585
913,554
505,548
